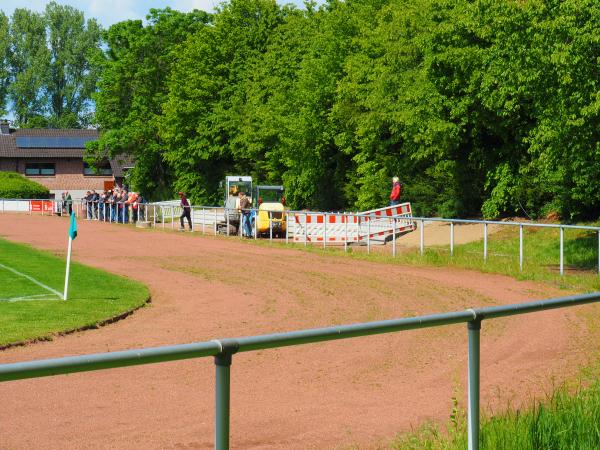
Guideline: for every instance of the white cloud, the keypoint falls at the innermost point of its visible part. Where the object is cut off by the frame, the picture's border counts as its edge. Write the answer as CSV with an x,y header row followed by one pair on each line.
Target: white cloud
x,y
109,11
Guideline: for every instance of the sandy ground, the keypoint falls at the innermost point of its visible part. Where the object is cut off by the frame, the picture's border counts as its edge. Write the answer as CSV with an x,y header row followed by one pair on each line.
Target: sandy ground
x,y
358,392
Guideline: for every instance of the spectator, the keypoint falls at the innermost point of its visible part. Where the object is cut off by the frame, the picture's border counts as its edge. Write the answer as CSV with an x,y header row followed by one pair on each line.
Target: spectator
x,y
141,207
95,199
186,211
87,201
101,205
132,201
395,194
245,206
124,206
68,203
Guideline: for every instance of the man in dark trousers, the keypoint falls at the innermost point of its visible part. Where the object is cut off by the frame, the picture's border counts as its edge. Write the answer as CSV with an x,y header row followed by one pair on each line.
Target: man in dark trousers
x,y
395,194
185,211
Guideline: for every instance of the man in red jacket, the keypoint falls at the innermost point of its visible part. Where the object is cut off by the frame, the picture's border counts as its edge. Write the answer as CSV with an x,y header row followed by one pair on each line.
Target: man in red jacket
x,y
395,195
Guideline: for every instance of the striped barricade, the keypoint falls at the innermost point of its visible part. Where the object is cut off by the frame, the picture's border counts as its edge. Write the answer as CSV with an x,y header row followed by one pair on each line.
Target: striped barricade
x,y
378,225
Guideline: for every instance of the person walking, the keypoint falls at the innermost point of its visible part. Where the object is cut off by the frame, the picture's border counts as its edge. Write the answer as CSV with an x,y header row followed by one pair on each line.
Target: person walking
x,y
186,211
395,194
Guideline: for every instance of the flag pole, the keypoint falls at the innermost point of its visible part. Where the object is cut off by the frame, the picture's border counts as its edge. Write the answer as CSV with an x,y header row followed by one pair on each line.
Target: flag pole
x,y
68,266
72,235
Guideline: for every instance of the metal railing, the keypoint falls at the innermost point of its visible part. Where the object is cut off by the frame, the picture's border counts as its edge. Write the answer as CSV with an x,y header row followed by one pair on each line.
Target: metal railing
x,y
223,350
521,225
212,219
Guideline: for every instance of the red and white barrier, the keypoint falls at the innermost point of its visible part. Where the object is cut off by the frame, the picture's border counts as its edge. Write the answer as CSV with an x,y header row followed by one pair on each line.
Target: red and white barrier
x,y
376,226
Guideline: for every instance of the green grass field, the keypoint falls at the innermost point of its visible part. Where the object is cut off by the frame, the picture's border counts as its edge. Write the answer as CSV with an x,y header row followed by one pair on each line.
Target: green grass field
x,y
29,312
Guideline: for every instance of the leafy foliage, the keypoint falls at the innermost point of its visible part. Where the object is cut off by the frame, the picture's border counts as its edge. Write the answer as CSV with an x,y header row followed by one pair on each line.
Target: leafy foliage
x,y
488,107
14,185
132,90
47,69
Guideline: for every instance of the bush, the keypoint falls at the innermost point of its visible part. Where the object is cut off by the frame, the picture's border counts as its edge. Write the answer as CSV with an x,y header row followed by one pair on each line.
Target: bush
x,y
14,185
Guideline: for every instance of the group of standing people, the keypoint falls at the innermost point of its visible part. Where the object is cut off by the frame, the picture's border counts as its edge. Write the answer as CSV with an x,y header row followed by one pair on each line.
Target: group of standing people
x,y
114,205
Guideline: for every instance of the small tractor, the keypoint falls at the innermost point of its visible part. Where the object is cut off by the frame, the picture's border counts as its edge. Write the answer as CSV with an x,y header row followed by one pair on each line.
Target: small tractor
x,y
271,218
269,201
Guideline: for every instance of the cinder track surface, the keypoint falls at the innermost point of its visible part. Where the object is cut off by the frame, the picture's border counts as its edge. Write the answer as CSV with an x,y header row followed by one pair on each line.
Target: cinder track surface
x,y
355,392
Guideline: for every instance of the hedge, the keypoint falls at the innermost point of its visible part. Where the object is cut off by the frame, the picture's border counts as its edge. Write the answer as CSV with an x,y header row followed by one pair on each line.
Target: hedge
x,y
14,185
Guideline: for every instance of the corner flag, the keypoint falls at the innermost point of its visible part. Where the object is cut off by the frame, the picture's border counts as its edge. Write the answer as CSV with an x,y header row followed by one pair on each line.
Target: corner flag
x,y
73,227
72,235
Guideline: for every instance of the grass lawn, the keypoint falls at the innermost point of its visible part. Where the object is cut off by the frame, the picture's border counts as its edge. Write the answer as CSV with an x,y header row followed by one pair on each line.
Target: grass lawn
x,y
29,312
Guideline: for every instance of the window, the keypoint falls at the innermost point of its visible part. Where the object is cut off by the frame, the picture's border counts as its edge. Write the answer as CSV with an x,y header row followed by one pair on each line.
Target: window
x,y
102,169
40,169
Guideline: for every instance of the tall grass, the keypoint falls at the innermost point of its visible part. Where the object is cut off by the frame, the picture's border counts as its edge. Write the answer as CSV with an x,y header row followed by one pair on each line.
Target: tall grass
x,y
565,420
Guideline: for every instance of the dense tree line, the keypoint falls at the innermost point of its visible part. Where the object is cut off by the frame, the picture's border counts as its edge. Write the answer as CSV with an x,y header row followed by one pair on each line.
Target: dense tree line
x,y
49,66
480,107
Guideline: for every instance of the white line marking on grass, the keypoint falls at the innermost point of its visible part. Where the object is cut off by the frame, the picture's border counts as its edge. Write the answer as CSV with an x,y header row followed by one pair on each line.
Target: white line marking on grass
x,y
29,298
33,280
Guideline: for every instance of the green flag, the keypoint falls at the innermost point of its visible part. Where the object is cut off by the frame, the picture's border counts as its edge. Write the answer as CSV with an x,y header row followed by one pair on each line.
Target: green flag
x,y
73,227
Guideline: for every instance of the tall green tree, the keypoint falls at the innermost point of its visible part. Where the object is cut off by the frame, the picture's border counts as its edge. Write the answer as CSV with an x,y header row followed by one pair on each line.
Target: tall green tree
x,y
74,49
52,68
4,63
206,112
132,89
29,60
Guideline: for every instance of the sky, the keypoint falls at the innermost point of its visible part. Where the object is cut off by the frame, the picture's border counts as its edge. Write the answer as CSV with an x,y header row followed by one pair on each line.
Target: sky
x,y
111,11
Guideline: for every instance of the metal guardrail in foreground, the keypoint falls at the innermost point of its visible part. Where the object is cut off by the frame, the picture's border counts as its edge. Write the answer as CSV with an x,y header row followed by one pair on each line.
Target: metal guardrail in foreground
x,y
224,349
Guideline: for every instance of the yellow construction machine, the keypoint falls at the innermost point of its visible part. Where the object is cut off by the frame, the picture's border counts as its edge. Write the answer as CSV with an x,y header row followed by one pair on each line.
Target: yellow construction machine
x,y
271,217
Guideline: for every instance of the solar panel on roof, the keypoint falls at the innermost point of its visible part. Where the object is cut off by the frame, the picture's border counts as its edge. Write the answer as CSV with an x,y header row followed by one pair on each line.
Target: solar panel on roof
x,y
53,142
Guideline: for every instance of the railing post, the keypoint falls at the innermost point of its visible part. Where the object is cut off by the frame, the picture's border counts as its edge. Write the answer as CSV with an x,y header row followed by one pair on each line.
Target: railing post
x,y
474,328
325,231
485,236
422,237
394,239
305,229
172,216
227,220
521,248
223,391
451,238
270,226
346,233
287,222
255,230
369,234
216,219
222,400
562,244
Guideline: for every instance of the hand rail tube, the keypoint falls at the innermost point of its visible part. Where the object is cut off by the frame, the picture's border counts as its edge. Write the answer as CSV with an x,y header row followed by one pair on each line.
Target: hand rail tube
x,y
223,349
110,360
49,367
